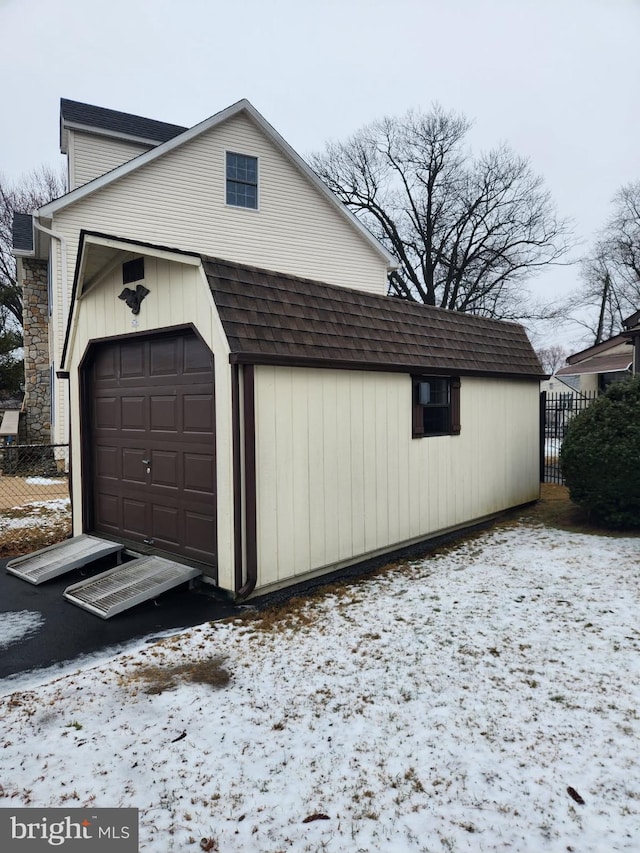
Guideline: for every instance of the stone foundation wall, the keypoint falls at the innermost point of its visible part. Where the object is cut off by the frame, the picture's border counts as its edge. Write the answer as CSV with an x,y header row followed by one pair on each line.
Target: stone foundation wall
x,y
37,388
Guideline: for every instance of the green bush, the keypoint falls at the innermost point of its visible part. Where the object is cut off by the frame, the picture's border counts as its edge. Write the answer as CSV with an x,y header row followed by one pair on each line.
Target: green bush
x,y
600,457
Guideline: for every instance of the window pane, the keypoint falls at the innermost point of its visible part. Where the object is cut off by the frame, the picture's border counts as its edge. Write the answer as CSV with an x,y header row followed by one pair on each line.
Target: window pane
x,y
436,419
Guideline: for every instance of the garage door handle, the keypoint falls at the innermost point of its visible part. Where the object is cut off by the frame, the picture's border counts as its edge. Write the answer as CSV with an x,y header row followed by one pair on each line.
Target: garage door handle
x,y
148,541
146,461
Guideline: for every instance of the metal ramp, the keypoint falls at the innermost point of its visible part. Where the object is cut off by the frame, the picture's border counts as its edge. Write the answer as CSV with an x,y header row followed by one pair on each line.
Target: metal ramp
x,y
55,560
131,583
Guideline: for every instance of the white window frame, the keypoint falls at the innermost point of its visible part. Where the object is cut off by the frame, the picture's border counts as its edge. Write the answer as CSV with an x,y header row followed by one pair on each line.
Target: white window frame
x,y
226,180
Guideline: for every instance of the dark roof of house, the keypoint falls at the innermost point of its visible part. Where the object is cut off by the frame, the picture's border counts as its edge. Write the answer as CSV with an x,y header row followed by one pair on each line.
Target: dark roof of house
x,y
273,318
23,232
100,118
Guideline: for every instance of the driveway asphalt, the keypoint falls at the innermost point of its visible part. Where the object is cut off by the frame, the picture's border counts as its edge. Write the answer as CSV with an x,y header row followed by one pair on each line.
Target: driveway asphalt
x,y
68,632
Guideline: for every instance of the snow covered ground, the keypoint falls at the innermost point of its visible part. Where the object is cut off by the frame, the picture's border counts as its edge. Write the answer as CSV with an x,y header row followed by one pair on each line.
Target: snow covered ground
x,y
484,699
43,514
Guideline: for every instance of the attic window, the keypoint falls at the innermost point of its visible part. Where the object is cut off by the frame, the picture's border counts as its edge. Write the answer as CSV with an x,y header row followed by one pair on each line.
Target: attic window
x,y
436,405
242,180
133,270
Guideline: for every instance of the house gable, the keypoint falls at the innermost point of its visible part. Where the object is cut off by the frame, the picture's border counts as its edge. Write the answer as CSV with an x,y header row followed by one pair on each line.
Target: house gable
x,y
179,200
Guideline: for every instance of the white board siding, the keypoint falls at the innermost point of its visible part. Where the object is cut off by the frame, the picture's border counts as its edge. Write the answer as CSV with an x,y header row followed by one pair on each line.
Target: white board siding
x,y
179,294
91,155
339,476
178,201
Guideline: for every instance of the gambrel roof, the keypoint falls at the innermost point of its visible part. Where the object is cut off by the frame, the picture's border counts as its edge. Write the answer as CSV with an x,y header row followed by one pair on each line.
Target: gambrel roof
x,y
270,318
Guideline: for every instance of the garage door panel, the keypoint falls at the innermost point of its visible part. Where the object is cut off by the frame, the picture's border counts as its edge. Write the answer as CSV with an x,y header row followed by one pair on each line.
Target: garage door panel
x,y
107,413
108,511
199,534
165,526
105,366
197,359
107,462
134,413
132,360
199,473
134,517
164,413
165,468
163,357
153,399
134,469
198,413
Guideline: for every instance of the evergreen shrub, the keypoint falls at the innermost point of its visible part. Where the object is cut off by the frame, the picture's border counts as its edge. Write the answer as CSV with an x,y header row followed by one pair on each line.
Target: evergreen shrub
x,y
600,457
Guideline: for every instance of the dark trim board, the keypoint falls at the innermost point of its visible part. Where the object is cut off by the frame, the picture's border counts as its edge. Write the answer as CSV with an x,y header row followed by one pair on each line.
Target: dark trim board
x,y
237,476
262,359
250,496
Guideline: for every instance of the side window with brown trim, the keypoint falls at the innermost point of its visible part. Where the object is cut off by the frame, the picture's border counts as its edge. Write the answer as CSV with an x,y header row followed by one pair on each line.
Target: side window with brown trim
x,y
436,405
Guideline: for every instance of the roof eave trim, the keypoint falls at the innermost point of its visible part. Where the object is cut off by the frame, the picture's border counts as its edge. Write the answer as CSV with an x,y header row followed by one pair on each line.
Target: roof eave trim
x,y
114,134
376,367
96,238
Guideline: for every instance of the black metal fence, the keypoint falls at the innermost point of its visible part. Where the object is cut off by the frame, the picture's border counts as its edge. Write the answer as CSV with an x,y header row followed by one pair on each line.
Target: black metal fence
x,y
557,409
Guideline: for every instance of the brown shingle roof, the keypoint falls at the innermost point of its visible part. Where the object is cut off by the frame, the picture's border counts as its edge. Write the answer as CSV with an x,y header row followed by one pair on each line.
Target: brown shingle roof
x,y
273,318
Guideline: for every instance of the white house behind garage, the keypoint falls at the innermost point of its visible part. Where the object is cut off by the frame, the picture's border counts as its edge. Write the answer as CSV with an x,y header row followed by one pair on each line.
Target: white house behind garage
x,y
265,428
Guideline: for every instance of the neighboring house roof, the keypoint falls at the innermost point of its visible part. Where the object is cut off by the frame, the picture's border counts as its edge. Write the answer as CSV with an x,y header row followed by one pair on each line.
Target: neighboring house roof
x,y
23,232
610,356
273,318
597,349
598,364
78,116
248,109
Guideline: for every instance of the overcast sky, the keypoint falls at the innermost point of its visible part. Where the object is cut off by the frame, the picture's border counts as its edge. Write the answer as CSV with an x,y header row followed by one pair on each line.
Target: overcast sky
x,y
556,79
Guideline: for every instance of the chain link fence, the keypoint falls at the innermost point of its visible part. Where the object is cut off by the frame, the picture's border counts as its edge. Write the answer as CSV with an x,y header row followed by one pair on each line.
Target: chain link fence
x,y
35,510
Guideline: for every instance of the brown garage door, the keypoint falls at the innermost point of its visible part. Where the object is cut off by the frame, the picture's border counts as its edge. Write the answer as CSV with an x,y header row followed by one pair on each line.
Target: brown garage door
x,y
151,444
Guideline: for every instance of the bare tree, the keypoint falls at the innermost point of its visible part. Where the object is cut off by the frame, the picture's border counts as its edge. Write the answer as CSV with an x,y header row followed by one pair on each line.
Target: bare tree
x,y
27,195
611,274
466,232
552,357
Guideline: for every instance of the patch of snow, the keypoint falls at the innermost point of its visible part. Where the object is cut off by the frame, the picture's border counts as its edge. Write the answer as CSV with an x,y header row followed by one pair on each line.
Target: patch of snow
x,y
552,448
43,481
449,704
33,511
16,625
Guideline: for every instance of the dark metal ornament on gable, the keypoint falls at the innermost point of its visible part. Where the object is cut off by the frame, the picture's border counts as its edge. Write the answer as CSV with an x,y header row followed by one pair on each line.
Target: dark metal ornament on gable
x,y
134,298
133,271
